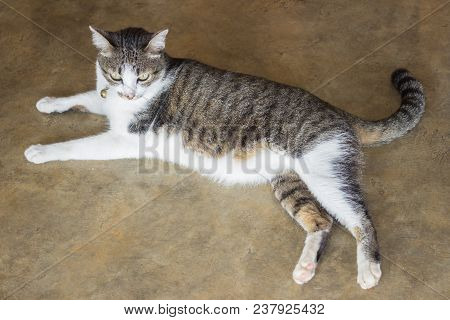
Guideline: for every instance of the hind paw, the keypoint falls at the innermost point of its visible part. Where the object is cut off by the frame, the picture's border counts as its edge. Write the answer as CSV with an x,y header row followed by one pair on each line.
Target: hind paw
x,y
303,272
369,273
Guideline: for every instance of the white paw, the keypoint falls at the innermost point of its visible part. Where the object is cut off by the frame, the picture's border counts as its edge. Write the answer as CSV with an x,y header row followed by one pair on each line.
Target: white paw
x,y
49,105
304,271
369,273
38,154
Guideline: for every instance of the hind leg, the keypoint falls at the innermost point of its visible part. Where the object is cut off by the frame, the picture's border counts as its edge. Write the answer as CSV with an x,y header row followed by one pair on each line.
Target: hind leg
x,y
332,175
295,198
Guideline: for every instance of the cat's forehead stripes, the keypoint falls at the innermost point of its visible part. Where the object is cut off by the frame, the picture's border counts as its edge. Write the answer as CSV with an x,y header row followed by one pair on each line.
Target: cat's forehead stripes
x,y
130,51
130,38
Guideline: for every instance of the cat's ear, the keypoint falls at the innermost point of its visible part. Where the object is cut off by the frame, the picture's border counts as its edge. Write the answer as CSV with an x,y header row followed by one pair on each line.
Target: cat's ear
x,y
157,44
99,38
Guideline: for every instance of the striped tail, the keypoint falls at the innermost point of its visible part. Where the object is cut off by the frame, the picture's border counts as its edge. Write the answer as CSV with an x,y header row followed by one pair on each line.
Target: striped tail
x,y
402,121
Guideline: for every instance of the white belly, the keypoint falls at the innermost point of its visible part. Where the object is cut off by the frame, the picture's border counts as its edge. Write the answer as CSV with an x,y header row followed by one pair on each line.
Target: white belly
x,y
259,168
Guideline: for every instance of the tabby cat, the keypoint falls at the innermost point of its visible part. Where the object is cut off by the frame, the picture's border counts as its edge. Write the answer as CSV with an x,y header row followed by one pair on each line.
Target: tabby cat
x,y
248,129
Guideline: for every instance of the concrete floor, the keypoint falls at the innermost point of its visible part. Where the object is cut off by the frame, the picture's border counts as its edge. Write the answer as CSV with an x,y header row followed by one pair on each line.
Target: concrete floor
x,y
102,230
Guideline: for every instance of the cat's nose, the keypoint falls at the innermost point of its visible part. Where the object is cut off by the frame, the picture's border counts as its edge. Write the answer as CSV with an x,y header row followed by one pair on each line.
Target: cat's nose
x,y
129,95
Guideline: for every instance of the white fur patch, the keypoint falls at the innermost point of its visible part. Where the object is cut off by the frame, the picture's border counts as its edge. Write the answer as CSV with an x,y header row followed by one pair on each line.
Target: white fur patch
x,y
259,168
317,171
129,81
105,146
369,272
120,111
306,266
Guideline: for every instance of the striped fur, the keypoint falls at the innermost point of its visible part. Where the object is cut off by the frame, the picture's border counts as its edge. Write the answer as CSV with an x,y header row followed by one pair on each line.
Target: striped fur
x,y
403,120
301,205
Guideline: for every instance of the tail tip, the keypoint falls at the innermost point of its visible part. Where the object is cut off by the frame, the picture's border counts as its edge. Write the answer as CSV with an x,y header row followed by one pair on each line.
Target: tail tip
x,y
398,75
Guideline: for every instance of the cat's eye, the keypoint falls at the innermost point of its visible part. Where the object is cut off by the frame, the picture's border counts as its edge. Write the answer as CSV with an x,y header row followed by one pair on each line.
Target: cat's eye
x,y
115,76
144,76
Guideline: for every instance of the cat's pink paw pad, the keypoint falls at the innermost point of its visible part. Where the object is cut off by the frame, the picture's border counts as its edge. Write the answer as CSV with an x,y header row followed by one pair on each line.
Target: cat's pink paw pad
x,y
310,266
304,272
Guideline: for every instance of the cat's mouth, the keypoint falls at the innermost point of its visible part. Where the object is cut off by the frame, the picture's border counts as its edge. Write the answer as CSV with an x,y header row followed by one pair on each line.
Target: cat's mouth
x,y
128,96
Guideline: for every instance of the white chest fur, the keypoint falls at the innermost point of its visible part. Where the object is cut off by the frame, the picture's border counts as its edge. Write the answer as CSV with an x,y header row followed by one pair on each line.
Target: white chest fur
x,y
121,111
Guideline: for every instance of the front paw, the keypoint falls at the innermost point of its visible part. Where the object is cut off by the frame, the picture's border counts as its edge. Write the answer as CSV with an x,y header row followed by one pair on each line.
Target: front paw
x,y
49,105
38,154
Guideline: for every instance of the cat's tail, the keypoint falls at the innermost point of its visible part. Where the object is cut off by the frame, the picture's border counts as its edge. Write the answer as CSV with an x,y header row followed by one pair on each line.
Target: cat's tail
x,y
402,121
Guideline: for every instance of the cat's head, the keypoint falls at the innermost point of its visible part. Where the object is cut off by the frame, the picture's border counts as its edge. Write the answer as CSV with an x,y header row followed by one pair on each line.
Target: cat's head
x,y
130,59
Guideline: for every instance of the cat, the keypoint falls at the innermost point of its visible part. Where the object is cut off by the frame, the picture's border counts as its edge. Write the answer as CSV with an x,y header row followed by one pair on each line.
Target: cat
x,y
194,114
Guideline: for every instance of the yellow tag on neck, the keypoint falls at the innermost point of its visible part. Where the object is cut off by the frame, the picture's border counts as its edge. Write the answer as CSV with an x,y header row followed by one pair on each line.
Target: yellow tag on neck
x,y
103,93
